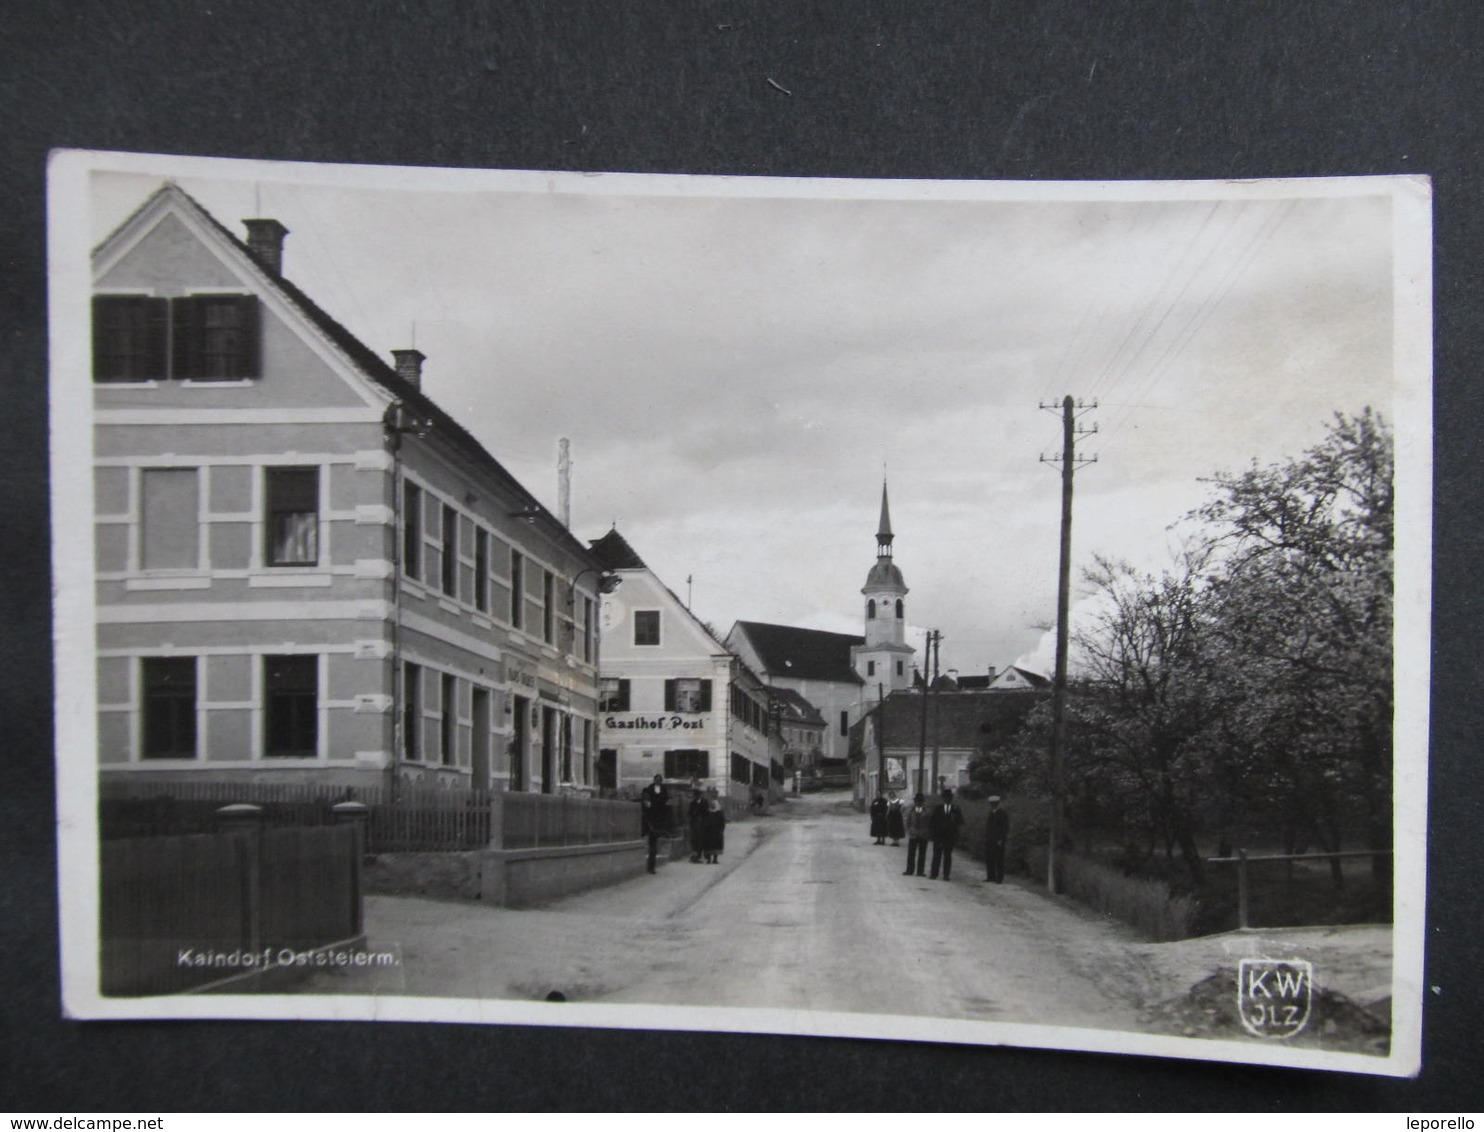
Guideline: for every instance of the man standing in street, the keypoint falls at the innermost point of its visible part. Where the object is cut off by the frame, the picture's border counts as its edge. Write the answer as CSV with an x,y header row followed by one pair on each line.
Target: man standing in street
x,y
946,821
918,819
654,815
996,832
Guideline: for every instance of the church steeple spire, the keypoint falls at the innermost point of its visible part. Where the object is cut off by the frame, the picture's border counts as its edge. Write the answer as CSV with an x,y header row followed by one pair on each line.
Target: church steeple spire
x,y
883,529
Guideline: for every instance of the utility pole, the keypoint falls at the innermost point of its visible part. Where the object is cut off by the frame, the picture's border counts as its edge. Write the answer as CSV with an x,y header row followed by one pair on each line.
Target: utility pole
x,y
927,650
880,737
933,690
1070,430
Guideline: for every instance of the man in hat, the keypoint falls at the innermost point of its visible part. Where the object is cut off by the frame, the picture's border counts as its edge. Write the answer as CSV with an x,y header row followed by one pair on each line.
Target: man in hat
x,y
996,832
654,815
945,823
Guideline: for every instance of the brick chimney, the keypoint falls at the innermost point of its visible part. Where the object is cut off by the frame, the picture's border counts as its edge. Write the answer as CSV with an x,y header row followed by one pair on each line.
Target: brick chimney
x,y
265,241
992,672
410,366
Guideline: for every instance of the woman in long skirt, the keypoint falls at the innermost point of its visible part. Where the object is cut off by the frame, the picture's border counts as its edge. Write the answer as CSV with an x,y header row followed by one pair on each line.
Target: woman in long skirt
x,y
713,832
895,828
878,817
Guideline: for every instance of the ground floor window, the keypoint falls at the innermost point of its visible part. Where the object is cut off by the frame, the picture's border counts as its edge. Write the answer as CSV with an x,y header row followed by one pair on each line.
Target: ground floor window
x,y
412,711
448,732
169,707
685,764
291,706
608,769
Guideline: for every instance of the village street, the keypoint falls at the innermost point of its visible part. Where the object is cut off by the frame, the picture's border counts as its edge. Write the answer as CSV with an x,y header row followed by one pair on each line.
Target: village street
x,y
805,912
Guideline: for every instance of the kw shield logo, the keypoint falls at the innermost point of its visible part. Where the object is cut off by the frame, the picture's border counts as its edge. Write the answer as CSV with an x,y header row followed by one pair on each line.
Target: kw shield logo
x,y
1274,996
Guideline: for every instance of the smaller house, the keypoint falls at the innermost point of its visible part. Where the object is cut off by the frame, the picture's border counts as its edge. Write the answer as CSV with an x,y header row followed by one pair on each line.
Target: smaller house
x,y
926,741
673,701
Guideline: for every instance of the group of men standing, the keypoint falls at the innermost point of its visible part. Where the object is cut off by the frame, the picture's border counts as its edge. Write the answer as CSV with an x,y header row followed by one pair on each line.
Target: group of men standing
x,y
940,826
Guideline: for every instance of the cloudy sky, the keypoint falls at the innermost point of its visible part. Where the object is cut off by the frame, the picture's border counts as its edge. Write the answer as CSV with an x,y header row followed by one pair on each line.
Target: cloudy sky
x,y
736,361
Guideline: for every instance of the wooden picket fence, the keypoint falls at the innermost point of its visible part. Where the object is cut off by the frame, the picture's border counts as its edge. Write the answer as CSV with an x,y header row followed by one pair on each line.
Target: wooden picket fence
x,y
415,819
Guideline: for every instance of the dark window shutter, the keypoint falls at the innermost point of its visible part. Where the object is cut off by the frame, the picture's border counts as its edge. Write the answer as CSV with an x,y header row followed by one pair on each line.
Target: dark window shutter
x,y
705,695
249,363
669,695
623,695
157,323
186,361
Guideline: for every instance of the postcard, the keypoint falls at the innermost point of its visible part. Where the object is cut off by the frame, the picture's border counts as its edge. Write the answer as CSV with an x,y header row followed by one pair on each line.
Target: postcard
x,y
978,612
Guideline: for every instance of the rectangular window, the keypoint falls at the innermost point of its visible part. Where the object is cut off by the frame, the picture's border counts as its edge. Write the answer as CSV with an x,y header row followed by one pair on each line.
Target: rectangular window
x,y
130,335
566,747
169,707
412,531
646,627
741,770
412,712
548,603
450,551
613,694
687,764
481,570
292,519
844,723
170,537
214,337
688,695
899,668
517,589
448,730
291,706
870,668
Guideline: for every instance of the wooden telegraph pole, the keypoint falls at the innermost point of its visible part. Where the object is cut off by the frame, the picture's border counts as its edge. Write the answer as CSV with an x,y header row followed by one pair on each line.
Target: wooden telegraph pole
x,y
1069,464
927,650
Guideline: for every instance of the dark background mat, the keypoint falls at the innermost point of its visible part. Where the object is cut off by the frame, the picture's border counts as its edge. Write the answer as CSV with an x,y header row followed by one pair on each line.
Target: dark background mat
x,y
1033,90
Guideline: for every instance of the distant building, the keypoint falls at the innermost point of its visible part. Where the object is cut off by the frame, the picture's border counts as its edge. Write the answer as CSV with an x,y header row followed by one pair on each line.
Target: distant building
x,y
949,726
800,729
839,674
307,571
673,700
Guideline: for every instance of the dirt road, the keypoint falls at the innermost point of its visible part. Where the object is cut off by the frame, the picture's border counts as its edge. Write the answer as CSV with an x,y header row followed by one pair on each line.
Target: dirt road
x,y
806,913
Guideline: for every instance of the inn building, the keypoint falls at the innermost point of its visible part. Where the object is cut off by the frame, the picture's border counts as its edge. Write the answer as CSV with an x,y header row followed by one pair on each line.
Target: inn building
x,y
306,570
673,700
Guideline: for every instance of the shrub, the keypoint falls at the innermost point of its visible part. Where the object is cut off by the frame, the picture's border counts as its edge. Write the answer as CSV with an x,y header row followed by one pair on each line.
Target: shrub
x,y
1145,904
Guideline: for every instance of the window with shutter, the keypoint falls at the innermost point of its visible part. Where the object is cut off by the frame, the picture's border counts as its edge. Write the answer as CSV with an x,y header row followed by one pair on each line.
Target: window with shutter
x,y
214,337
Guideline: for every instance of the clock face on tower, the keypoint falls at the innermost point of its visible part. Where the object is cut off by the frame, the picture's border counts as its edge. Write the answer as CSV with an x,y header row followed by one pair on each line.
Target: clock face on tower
x,y
612,613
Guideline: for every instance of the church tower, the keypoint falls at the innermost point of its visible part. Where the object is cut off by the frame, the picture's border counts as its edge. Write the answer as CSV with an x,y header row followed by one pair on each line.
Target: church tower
x,y
885,658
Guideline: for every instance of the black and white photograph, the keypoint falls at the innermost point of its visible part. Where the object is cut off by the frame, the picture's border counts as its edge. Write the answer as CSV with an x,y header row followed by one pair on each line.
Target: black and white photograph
x,y
982,612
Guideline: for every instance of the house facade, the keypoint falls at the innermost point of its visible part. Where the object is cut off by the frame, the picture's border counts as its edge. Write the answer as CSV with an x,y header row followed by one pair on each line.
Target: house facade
x,y
673,700
307,571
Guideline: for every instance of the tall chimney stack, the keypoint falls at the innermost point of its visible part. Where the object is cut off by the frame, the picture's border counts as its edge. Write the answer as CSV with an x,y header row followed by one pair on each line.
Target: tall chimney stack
x,y
410,366
265,241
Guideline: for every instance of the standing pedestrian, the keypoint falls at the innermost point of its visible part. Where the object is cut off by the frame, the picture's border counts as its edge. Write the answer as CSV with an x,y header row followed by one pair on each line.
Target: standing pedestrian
x,y
894,827
654,815
695,821
917,820
878,817
947,819
996,833
714,831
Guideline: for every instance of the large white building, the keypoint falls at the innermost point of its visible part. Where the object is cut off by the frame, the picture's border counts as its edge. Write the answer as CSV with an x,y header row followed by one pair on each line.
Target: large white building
x,y
307,572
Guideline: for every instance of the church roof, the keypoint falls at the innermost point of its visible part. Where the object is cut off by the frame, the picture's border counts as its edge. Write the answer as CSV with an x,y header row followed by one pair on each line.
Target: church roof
x,y
614,552
803,654
885,573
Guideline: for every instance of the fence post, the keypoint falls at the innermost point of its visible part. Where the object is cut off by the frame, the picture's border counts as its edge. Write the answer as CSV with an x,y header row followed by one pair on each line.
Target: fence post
x,y
246,819
497,819
356,815
1242,917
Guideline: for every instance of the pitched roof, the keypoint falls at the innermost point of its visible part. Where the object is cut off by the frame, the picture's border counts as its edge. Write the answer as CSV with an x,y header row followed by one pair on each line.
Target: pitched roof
x,y
797,707
803,654
615,553
1034,679
370,363
958,719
